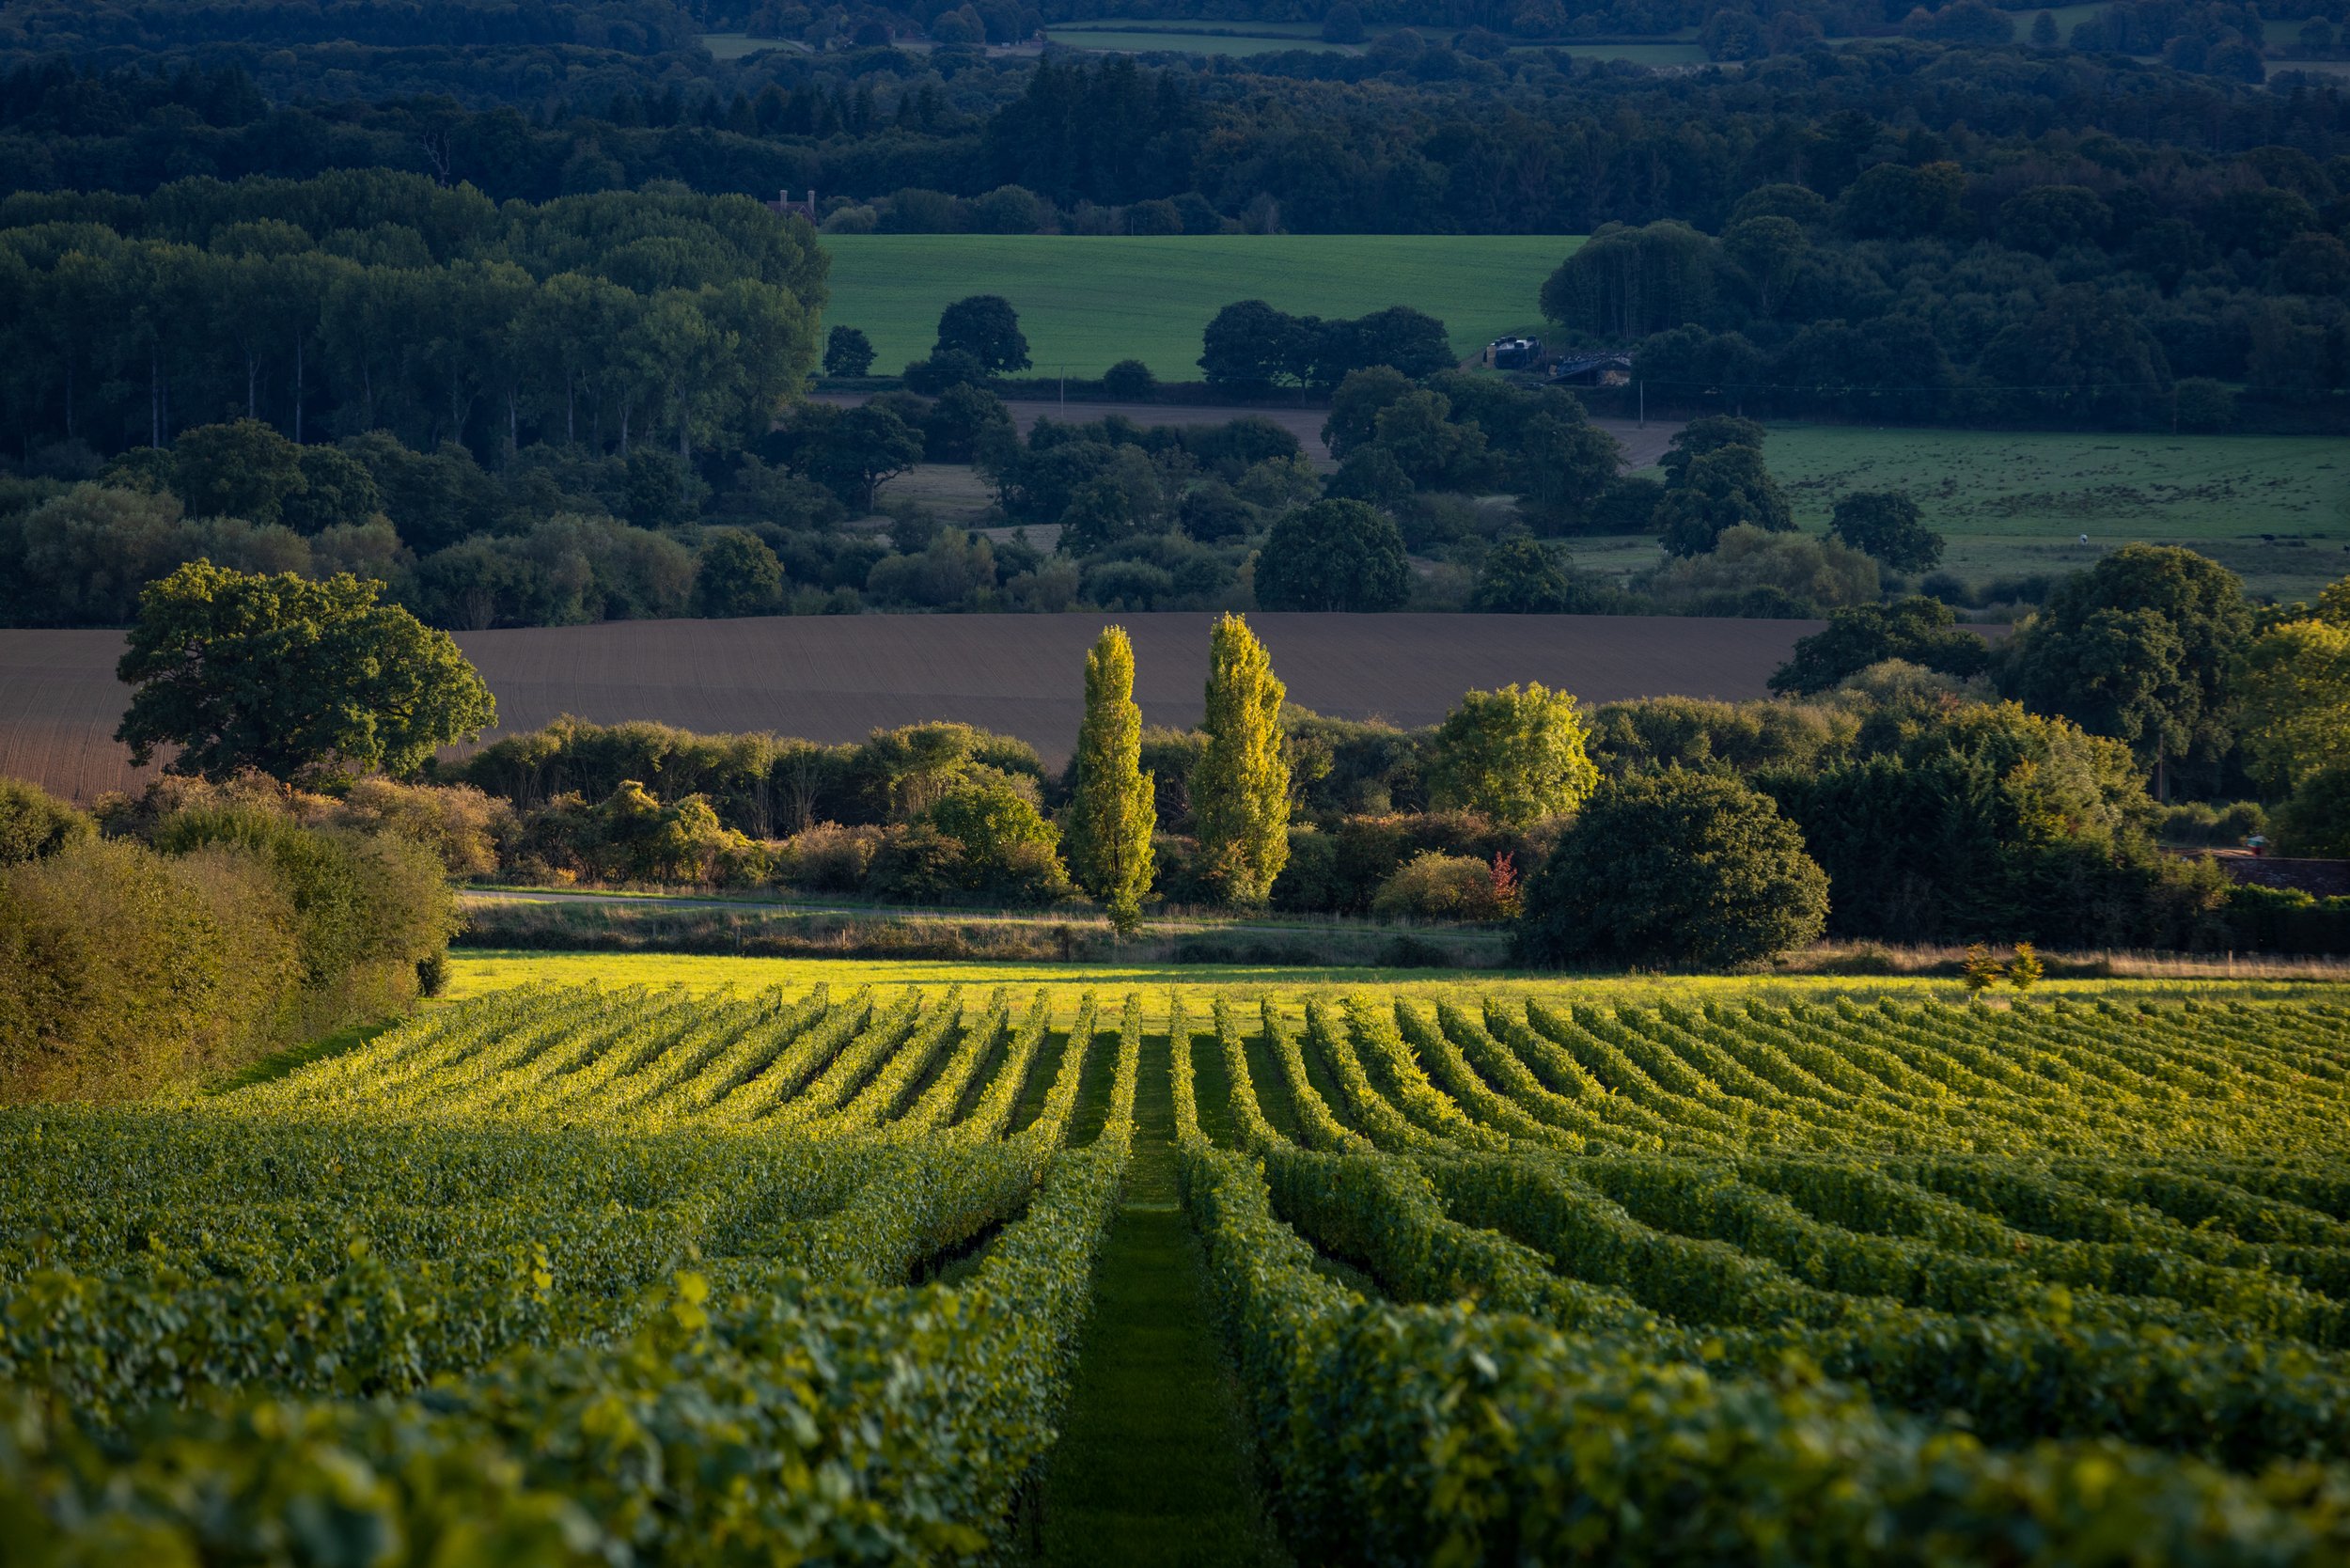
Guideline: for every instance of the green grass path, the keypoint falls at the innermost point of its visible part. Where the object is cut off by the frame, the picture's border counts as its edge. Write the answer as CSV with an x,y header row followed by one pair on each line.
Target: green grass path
x,y
1152,1462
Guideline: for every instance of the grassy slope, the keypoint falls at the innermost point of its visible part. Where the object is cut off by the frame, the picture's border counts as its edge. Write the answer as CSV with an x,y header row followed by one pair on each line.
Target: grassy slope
x,y
2015,502
2012,503
1087,302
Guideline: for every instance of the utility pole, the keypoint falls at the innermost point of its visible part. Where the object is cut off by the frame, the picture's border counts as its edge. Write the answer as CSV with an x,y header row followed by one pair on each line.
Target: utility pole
x,y
1064,391
1642,385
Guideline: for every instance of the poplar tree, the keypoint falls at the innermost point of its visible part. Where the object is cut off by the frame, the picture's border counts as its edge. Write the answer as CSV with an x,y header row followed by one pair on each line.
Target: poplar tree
x,y
1112,817
1239,788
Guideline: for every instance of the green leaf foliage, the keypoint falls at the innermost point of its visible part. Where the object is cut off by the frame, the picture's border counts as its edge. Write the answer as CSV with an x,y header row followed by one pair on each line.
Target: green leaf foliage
x,y
301,679
1240,786
1112,814
1674,867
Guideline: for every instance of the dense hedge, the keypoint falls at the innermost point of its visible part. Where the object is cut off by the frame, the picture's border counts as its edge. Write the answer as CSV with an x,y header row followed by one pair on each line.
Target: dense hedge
x,y
126,966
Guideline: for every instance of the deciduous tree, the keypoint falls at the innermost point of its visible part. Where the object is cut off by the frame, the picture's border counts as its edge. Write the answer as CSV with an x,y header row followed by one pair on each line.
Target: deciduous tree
x,y
305,680
1240,790
1333,555
1674,867
1516,754
1112,817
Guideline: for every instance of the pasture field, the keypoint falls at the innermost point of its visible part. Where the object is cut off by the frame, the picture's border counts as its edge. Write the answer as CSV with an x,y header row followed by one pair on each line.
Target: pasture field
x,y
1087,302
929,1263
735,46
2274,509
1127,37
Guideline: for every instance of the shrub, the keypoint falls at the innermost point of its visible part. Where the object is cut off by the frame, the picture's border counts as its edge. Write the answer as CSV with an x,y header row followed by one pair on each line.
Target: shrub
x,y
916,863
122,971
361,904
1129,381
1010,853
456,822
2206,825
1677,867
827,859
33,823
126,968
1435,886
2315,819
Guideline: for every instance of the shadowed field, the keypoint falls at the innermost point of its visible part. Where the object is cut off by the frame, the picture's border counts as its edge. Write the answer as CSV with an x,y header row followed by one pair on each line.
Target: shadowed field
x,y
1087,302
837,678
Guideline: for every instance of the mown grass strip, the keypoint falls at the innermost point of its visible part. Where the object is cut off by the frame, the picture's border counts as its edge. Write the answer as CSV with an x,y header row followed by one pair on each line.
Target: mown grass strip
x,y
1153,1464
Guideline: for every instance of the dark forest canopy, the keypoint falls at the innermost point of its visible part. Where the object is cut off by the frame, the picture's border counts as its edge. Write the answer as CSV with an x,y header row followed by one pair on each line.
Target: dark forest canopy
x,y
1440,141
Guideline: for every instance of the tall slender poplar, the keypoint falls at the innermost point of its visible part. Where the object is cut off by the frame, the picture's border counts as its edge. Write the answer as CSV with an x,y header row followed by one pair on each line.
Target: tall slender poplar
x,y
1112,817
1239,788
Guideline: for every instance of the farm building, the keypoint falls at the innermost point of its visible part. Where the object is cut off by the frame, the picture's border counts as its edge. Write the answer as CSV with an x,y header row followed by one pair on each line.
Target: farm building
x,y
1593,369
783,205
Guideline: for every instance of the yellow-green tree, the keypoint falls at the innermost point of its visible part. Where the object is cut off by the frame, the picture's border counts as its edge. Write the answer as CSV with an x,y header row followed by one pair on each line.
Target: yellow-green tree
x,y
1112,817
2295,689
1240,790
1517,755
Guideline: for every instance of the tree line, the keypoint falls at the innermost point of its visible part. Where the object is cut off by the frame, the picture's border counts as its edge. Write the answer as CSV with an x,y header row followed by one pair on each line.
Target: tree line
x,y
1420,140
367,302
1921,293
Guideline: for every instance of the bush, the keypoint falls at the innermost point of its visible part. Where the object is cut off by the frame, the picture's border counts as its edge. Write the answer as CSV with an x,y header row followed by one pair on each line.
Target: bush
x,y
827,859
1129,381
33,823
2205,824
1808,574
1010,853
363,906
1340,870
631,836
1439,886
1674,867
125,967
458,823
2315,820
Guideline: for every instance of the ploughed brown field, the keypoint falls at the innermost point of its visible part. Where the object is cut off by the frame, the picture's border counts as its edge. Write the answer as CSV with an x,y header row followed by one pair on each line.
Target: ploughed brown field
x,y
839,678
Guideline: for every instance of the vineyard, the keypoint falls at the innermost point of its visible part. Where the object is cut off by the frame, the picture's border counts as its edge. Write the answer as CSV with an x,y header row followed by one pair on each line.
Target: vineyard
x,y
577,1273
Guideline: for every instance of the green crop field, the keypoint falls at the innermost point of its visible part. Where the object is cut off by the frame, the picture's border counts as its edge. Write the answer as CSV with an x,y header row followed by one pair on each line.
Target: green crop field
x,y
2275,508
1139,40
734,46
718,1260
1088,302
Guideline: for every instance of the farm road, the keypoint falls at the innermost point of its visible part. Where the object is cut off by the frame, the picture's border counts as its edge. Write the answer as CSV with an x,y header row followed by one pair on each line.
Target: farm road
x,y
837,678
1642,443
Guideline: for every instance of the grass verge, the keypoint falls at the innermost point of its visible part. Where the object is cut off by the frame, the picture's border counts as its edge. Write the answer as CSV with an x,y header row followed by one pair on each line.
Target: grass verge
x,y
1153,1464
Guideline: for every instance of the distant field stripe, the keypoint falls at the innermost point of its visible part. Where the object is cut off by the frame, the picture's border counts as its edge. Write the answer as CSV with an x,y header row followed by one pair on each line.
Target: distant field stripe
x,y
1087,302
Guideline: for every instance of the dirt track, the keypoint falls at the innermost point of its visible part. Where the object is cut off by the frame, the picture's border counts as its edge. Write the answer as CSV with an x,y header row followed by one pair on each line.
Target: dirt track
x,y
837,678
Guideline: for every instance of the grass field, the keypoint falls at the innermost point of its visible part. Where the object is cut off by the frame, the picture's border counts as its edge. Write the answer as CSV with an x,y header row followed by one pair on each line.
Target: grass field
x,y
924,1263
1088,302
734,46
2012,503
1136,40
480,974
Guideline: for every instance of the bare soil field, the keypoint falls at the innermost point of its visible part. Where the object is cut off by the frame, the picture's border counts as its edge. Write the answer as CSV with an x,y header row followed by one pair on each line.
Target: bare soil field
x,y
839,678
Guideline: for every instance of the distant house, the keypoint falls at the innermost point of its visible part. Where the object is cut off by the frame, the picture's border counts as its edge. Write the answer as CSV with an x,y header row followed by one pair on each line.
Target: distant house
x,y
783,205
1593,369
1513,353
